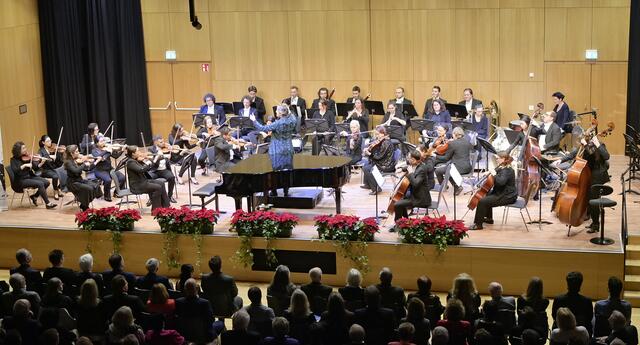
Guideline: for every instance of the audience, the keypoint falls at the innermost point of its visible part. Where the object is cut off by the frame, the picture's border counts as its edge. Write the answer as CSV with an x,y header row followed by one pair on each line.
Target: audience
x,y
458,329
151,278
603,308
440,336
534,298
50,337
432,305
116,262
490,324
353,293
336,321
317,293
195,317
416,317
66,275
280,290
31,276
158,335
54,318
391,297
567,330
299,316
527,322
23,323
378,322
53,297
221,290
280,327
240,335
580,306
186,272
86,272
531,337
260,316
464,290
90,312
121,326
19,291
620,329
405,334
119,297
356,335
159,301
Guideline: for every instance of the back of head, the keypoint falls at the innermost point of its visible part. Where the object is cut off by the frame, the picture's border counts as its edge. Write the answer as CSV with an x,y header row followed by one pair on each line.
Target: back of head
x,y
483,337
530,337
335,305
122,318
299,306
415,309
115,261
118,284
23,256
130,339
565,319
356,333
490,311
281,278
406,331
21,308
617,320
12,337
463,286
54,286
386,276
615,287
454,310
255,295
372,296
190,288
240,320
280,327
17,281
152,265
439,336
89,293
424,285
50,337
86,262
574,282
354,278
84,341
55,257
186,270
315,274
215,264
495,290
159,294
458,132
534,289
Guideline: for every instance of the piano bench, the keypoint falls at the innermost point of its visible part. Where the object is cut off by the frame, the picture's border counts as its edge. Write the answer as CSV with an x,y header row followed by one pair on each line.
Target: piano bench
x,y
208,191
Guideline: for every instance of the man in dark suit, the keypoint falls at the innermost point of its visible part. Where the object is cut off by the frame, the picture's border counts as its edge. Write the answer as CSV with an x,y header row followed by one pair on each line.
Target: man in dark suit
x,y
505,307
603,309
317,293
116,261
162,166
457,153
378,322
421,181
194,313
468,101
391,297
210,107
18,291
32,276
260,316
66,275
400,100
119,297
549,134
220,289
22,322
355,94
579,305
151,278
259,102
223,148
240,333
295,99
428,106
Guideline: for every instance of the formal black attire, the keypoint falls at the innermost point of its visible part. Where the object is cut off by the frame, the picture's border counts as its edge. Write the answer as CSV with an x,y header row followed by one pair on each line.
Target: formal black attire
x,y
381,157
259,105
353,297
81,277
221,291
321,139
147,281
48,168
186,159
32,276
190,310
84,190
579,305
539,306
114,302
378,324
354,148
29,329
629,335
474,103
103,169
26,178
399,115
139,183
471,307
299,327
363,120
428,106
432,306
282,297
563,115
553,135
162,169
400,105
223,148
458,153
66,275
91,321
109,275
239,337
422,330
421,182
392,297
9,298
331,104
57,301
504,192
317,294
336,327
88,143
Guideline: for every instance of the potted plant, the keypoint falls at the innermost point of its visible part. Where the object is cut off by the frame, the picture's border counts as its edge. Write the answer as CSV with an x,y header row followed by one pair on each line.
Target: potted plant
x,y
107,218
350,234
429,230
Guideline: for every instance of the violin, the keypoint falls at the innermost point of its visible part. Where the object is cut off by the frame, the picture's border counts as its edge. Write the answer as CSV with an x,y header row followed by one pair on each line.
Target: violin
x,y
55,148
441,145
33,158
374,145
81,159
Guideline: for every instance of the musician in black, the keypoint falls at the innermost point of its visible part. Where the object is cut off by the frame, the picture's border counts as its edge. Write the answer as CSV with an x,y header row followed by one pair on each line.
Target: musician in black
x,y
227,153
52,159
207,131
324,112
84,190
458,153
259,102
380,153
525,122
90,139
103,167
295,99
23,176
323,94
354,142
359,113
504,191
394,117
435,95
420,175
183,139
162,165
597,157
140,182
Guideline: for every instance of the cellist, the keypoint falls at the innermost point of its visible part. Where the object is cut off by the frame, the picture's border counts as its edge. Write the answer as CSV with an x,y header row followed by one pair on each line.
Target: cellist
x,y
420,175
504,191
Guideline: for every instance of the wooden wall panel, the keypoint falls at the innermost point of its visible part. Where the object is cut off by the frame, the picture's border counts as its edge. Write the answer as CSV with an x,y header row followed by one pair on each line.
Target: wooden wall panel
x,y
478,32
477,3
567,33
484,91
385,89
327,5
190,44
568,3
521,44
157,39
18,12
190,83
521,4
247,5
391,4
24,127
611,3
272,91
230,90
422,91
183,6
154,6
160,86
391,45
573,79
434,45
343,89
611,33
609,96
516,97
308,89
349,52
308,46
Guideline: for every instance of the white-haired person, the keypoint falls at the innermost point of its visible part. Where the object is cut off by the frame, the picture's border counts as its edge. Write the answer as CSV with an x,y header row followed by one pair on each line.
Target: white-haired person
x,y
151,278
354,141
317,293
32,276
240,333
353,293
85,263
458,152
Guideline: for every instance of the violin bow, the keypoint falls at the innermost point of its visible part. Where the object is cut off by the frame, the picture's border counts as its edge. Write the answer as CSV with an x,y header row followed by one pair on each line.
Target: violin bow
x,y
108,127
33,144
59,137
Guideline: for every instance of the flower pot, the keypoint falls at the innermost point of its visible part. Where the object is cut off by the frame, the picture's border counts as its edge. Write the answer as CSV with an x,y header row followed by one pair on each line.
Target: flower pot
x,y
126,226
206,229
284,233
102,225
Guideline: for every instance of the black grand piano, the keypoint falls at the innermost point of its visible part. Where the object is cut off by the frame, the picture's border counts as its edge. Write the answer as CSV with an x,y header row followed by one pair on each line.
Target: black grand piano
x,y
256,174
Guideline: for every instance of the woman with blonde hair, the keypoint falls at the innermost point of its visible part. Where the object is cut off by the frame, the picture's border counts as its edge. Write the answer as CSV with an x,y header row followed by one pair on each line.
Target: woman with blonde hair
x,y
567,331
299,316
160,303
353,293
89,311
122,325
464,289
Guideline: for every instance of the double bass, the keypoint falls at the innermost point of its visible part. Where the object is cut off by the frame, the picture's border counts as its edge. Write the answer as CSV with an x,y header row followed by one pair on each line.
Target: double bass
x,y
530,175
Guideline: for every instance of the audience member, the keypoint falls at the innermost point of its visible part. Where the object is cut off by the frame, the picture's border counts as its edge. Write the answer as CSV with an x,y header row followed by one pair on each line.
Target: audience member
x,y
31,276
391,297
356,335
186,272
603,308
119,297
53,318
421,325
116,262
160,303
580,306
121,326
527,322
280,290
151,278
19,291
299,316
531,337
378,322
620,329
86,272
483,337
220,289
489,322
50,337
280,327
260,316
534,298
353,293
240,335
440,336
317,293
195,316
432,305
458,328
23,323
66,275
464,290
90,312
53,296
567,330
336,320
84,341
405,334
158,335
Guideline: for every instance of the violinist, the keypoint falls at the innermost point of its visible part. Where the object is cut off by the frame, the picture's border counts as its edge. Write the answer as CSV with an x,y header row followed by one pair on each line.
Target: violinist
x,y
354,142
206,133
162,165
360,114
324,112
457,153
52,159
90,139
597,157
210,107
380,153
182,141
226,150
22,164
139,182
420,175
103,166
323,95
440,144
84,190
504,191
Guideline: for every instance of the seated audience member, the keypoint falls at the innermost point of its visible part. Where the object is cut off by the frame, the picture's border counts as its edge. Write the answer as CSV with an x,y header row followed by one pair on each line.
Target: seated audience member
x,y
391,297
483,337
50,337
378,322
531,337
299,316
151,278
260,316
116,262
489,322
458,328
356,335
603,308
280,290
31,276
89,312
336,320
51,318
220,289
464,290
504,307
240,333
534,298
432,305
421,325
580,306
567,331
159,301
405,334
527,322
186,272
195,316
86,272
119,297
84,341
19,291
353,293
53,297
158,335
280,327
66,275
440,336
317,293
23,323
121,326
620,329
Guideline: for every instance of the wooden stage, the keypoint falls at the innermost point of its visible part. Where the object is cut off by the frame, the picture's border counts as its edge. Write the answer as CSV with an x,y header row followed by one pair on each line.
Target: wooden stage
x,y
506,253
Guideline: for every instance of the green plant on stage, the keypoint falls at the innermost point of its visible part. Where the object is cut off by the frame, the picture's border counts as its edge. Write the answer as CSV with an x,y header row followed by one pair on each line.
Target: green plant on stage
x,y
428,230
116,240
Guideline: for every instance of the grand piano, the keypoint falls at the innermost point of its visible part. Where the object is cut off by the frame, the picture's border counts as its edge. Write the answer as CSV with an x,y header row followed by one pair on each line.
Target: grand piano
x,y
257,175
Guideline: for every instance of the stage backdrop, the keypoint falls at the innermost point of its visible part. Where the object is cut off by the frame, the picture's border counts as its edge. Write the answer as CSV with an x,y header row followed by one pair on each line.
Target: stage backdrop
x,y
517,52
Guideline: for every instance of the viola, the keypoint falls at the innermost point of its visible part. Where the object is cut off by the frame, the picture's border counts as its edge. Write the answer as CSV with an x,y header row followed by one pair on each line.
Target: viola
x,y
441,145
374,145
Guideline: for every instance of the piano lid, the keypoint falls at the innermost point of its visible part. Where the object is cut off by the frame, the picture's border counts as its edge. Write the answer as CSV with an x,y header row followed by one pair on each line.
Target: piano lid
x,y
262,164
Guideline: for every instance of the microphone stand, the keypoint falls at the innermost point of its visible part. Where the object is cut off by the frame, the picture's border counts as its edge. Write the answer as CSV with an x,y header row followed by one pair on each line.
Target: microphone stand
x,y
540,221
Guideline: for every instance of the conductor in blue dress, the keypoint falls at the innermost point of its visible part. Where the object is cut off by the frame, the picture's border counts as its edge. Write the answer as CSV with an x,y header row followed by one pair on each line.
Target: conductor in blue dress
x,y
282,131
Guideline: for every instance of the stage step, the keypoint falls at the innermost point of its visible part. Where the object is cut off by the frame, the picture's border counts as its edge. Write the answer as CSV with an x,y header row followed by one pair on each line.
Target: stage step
x,y
632,272
632,267
633,297
633,251
634,240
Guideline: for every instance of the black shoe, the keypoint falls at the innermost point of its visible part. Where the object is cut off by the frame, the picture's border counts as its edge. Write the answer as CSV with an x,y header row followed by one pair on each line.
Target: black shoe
x,y
392,229
50,206
149,203
173,200
364,186
488,220
476,227
458,191
535,197
34,200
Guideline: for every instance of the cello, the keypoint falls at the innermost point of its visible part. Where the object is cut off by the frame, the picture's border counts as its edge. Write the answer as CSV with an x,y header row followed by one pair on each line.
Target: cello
x,y
402,187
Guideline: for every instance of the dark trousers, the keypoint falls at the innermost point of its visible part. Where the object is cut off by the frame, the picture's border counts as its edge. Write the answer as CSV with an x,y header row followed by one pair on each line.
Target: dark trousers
x,y
401,208
202,160
53,175
440,171
105,177
156,191
188,162
167,175
85,191
486,205
368,178
37,182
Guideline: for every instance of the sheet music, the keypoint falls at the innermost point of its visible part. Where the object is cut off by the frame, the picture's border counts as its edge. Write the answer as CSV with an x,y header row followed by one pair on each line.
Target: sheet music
x,y
378,176
455,175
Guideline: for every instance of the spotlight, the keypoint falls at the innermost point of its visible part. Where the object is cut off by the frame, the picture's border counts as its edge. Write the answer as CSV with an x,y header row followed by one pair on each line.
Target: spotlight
x,y
192,15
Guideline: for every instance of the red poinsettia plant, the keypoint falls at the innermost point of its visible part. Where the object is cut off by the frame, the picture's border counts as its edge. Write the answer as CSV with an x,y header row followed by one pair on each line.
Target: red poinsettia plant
x,y
185,220
430,230
107,218
263,223
342,227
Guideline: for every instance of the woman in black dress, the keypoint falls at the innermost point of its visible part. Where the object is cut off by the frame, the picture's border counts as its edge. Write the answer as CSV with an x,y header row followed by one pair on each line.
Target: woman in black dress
x,y
52,157
84,190
181,138
23,176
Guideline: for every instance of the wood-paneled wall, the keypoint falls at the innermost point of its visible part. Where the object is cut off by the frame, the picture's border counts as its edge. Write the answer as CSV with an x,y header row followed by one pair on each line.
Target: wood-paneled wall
x,y
20,74
516,52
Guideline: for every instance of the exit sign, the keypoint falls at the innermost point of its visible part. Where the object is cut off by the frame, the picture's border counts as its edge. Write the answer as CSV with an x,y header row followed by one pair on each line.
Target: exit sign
x,y
204,67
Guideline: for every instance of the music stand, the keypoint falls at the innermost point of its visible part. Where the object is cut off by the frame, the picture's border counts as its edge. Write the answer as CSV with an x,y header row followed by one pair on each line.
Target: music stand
x,y
330,150
198,119
239,123
374,107
511,135
344,109
396,132
457,110
540,221
342,127
262,148
316,125
409,111
488,148
237,106
227,107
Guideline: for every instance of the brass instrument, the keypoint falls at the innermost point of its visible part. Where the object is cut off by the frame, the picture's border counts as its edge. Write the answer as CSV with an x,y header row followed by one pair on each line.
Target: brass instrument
x,y
494,111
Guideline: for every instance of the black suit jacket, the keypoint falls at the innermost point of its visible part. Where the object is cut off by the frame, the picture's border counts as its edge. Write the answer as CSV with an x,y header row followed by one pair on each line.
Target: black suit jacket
x,y
138,177
552,138
421,183
147,281
579,305
81,277
316,293
220,289
330,116
32,276
302,104
66,275
222,149
458,153
505,184
113,302
260,108
330,106
393,297
107,276
474,103
237,337
378,324
192,309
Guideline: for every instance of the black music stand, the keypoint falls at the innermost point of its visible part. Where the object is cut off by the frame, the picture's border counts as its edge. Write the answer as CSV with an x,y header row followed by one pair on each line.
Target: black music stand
x,y
330,150
238,123
227,107
296,110
316,125
396,132
186,168
488,148
237,106
374,107
511,135
457,110
340,127
540,221
198,119
409,111
344,109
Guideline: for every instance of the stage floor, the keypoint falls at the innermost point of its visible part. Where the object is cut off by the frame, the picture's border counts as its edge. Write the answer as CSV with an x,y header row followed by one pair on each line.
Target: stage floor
x,y
357,201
